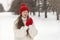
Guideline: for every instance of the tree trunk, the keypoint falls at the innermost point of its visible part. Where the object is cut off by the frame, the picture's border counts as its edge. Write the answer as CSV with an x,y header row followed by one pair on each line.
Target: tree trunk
x,y
45,13
1,8
45,8
39,14
57,15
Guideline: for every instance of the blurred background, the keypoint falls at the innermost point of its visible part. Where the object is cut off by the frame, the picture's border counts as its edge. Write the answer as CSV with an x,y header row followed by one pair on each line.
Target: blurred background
x,y
34,5
45,14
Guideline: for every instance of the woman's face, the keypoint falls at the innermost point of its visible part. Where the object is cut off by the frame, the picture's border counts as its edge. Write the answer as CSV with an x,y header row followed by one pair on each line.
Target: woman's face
x,y
25,13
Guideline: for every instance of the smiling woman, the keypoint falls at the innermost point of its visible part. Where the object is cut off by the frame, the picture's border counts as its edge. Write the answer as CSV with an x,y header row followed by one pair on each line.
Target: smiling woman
x,y
24,28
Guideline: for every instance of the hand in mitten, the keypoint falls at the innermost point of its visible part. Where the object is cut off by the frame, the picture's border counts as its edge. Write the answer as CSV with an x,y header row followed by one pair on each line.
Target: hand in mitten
x,y
29,22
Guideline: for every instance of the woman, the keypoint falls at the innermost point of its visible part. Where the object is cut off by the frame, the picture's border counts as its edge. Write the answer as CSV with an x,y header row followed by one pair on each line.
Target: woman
x,y
24,28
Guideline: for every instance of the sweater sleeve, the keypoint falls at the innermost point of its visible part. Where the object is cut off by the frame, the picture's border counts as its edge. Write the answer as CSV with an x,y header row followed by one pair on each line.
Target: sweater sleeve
x,y
32,31
20,32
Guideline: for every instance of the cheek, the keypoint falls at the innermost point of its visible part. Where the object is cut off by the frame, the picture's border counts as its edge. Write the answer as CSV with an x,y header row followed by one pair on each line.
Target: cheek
x,y
22,14
26,14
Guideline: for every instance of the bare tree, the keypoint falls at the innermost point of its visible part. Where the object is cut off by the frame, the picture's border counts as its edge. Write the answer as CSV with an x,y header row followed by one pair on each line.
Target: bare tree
x,y
38,8
34,7
45,7
57,8
57,14
1,8
16,5
53,4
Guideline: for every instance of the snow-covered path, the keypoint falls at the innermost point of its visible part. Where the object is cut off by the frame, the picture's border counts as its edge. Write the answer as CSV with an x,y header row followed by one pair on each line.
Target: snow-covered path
x,y
48,29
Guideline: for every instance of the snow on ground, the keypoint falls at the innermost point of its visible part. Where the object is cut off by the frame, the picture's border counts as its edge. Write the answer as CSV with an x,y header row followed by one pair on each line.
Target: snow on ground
x,y
48,28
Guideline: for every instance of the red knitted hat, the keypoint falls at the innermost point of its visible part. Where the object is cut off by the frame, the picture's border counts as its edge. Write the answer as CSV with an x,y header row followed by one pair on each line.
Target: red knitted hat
x,y
23,7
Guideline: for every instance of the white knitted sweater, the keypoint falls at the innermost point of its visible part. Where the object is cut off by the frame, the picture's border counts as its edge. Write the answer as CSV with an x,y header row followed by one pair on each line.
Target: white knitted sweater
x,y
21,34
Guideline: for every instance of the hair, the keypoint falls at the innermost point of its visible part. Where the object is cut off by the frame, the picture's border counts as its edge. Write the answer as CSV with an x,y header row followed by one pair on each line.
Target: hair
x,y
20,23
